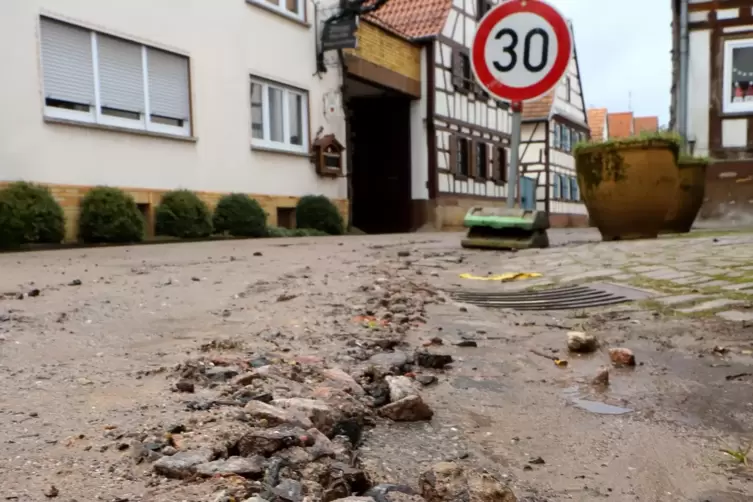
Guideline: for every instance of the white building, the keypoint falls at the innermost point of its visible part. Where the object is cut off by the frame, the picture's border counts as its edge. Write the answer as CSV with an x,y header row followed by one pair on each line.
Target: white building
x,y
552,126
151,96
719,98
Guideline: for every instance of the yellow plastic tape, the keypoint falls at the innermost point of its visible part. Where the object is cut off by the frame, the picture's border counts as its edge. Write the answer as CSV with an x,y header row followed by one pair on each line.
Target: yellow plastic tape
x,y
512,276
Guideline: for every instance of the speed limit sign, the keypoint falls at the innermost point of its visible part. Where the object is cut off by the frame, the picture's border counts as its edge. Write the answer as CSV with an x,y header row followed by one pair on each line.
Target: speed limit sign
x,y
521,50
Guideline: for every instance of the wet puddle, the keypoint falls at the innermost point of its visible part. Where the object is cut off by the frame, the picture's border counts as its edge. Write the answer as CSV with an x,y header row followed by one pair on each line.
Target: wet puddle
x,y
573,398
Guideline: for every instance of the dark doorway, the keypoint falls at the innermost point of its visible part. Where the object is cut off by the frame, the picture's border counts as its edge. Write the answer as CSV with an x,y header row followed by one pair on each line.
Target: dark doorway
x,y
380,156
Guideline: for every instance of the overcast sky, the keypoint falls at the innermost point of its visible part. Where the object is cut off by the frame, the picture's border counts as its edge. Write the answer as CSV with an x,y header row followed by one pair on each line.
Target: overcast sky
x,y
623,48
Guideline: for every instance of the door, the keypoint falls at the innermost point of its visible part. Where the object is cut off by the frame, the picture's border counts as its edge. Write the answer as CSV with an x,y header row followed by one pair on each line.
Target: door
x,y
528,193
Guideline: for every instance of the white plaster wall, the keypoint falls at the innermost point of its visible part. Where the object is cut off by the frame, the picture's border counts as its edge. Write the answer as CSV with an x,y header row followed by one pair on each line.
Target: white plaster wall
x,y
698,90
418,139
226,42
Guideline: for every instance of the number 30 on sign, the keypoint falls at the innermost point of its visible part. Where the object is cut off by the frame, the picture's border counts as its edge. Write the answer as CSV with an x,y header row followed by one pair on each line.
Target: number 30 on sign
x,y
521,50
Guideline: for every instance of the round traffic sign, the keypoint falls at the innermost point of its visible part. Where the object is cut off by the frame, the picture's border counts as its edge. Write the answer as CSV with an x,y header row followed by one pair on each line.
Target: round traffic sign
x,y
521,50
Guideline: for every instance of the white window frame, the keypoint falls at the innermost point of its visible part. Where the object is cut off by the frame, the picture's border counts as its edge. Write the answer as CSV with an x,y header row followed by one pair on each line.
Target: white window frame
x,y
95,115
729,106
283,9
283,146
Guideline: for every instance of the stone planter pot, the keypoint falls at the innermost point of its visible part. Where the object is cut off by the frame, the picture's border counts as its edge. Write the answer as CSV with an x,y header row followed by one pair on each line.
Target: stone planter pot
x,y
688,196
626,185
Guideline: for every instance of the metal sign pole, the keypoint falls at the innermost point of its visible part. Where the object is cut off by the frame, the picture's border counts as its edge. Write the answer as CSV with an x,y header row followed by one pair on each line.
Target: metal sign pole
x,y
512,170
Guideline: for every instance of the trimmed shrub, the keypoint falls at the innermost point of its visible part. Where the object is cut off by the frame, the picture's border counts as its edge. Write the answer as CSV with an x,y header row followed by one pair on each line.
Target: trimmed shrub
x,y
294,232
181,213
29,214
109,215
317,212
240,216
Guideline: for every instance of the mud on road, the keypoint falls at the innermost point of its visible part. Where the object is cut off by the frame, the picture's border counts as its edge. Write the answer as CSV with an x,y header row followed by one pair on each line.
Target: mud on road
x,y
93,343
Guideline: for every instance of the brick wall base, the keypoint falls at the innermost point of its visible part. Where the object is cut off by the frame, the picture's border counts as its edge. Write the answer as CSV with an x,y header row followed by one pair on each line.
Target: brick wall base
x,y
69,197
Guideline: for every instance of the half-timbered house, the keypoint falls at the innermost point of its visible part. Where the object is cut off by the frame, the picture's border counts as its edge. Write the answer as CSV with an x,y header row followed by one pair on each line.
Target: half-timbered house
x,y
464,133
719,98
552,126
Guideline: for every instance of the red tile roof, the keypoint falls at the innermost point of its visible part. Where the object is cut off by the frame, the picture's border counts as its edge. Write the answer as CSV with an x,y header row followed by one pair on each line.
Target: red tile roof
x,y
620,124
646,124
413,18
597,120
540,108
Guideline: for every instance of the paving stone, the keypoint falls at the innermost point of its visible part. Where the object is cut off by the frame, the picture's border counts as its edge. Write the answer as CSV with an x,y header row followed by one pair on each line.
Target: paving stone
x,y
676,300
735,273
647,268
747,268
710,305
739,287
716,284
608,272
692,266
693,279
667,274
736,315
623,277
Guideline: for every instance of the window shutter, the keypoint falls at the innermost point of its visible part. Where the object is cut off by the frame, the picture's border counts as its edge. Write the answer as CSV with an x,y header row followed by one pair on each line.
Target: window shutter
x,y
121,74
453,154
496,173
503,164
67,63
473,169
457,69
168,85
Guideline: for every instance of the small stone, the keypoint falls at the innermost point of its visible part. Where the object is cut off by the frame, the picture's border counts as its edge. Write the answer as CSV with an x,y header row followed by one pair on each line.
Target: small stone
x,y
339,378
182,465
602,377
246,467
257,253
466,343
75,282
403,253
245,379
221,373
408,409
400,387
388,362
449,482
319,412
537,461
267,441
622,357
578,341
275,416
51,492
426,359
185,386
426,379
289,490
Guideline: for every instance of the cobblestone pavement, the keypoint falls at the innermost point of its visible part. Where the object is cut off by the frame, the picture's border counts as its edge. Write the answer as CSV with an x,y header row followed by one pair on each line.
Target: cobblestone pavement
x,y
701,274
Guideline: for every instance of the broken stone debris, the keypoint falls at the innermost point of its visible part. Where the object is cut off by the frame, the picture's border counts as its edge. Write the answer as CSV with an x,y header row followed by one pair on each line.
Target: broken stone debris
x,y
578,341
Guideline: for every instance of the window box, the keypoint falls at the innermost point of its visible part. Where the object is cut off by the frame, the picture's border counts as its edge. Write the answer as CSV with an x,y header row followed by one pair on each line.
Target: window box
x,y
94,78
279,117
738,76
295,9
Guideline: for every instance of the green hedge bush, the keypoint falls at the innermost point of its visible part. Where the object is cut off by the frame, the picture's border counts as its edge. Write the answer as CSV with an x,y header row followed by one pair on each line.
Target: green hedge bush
x,y
109,215
29,214
294,232
240,216
181,213
319,213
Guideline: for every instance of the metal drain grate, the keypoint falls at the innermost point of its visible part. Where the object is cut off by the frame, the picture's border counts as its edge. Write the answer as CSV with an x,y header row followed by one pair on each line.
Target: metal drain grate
x,y
566,298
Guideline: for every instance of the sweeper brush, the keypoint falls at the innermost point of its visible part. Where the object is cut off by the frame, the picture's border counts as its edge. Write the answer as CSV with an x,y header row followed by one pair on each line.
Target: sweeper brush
x,y
502,228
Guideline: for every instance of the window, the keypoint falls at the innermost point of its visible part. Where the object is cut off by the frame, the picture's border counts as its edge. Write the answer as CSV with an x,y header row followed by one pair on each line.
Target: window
x,y
96,78
565,141
557,136
292,8
738,76
279,117
500,164
574,190
463,157
565,184
462,75
556,193
482,7
482,160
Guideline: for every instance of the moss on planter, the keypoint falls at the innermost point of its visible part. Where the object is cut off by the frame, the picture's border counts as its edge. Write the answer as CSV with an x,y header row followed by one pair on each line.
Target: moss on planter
x,y
597,161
